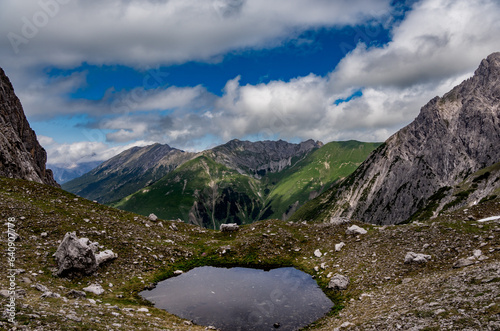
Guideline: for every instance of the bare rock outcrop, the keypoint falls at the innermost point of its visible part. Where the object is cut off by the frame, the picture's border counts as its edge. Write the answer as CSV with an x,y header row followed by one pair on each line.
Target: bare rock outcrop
x,y
453,137
79,256
21,155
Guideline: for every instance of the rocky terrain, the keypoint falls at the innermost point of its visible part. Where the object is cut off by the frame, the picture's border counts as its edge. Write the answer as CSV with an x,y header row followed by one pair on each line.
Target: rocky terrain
x,y
418,167
455,288
21,156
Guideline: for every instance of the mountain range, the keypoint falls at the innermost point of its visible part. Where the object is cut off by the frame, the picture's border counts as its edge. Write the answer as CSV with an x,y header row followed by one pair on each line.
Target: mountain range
x,y
239,181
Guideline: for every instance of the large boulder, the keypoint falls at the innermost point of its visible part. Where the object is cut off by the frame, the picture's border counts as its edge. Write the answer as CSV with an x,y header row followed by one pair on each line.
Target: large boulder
x,y
75,256
79,256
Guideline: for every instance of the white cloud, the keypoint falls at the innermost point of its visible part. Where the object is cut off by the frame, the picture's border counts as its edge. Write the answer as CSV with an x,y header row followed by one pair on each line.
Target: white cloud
x,y
86,151
141,33
436,46
437,40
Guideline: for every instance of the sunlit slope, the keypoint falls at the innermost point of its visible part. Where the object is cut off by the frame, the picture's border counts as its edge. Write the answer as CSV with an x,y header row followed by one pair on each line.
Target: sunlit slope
x,y
317,172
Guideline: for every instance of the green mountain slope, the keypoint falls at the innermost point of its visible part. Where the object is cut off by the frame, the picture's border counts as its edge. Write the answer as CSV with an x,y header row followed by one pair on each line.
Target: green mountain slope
x,y
314,174
207,193
127,172
202,192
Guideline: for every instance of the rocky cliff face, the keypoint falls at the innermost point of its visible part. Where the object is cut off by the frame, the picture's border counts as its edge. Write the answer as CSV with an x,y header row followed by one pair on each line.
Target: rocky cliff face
x,y
259,158
21,156
452,138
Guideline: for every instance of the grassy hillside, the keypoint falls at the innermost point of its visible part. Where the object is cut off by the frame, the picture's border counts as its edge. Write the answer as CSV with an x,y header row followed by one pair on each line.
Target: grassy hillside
x,y
202,192
314,174
207,193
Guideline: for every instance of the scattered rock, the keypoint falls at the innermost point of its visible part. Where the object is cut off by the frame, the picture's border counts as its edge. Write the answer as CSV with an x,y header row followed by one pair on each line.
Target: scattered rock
x,y
94,288
317,253
4,293
412,257
178,272
152,217
338,282
75,294
49,294
105,256
230,227
44,234
143,310
339,220
338,247
355,230
173,227
465,262
41,288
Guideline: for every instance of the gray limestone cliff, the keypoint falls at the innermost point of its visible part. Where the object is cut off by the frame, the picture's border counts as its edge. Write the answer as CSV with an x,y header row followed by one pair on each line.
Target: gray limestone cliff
x,y
261,157
452,138
21,156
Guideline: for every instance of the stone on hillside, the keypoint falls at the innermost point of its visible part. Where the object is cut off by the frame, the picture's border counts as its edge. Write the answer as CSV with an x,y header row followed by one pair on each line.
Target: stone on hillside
x,y
152,217
230,227
105,256
339,220
412,257
339,282
75,294
354,229
74,256
338,247
49,294
94,288
465,262
178,272
317,253
41,288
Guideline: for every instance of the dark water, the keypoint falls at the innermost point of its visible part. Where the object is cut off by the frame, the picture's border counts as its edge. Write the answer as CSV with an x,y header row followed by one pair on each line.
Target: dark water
x,y
242,298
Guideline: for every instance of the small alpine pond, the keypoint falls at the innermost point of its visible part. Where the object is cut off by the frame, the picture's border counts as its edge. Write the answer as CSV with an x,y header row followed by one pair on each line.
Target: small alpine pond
x,y
242,298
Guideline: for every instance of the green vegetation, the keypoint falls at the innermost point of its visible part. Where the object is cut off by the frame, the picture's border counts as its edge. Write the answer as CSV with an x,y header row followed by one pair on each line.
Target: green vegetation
x,y
207,193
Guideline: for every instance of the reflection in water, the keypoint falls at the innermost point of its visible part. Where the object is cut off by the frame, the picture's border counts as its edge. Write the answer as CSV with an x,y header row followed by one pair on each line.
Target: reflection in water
x,y
242,298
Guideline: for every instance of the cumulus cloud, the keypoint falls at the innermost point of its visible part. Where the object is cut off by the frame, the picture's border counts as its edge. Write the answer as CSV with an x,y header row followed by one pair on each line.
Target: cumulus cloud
x,y
370,94
149,32
67,155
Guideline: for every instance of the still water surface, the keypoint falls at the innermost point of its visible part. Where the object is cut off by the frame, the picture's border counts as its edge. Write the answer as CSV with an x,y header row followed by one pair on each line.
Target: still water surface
x,y
243,298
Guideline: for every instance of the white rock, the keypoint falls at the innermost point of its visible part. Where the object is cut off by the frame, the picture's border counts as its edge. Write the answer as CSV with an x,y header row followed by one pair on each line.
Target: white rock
x,y
354,229
105,256
317,253
339,220
412,257
230,227
338,247
465,262
338,282
94,288
316,268
152,217
178,272
143,310
477,253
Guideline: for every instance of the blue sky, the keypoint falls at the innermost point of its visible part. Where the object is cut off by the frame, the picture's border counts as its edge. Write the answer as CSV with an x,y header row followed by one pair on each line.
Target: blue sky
x,y
98,77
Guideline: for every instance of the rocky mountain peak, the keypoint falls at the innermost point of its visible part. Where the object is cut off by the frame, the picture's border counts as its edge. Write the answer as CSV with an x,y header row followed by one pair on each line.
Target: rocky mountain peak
x,y
262,156
453,137
21,156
